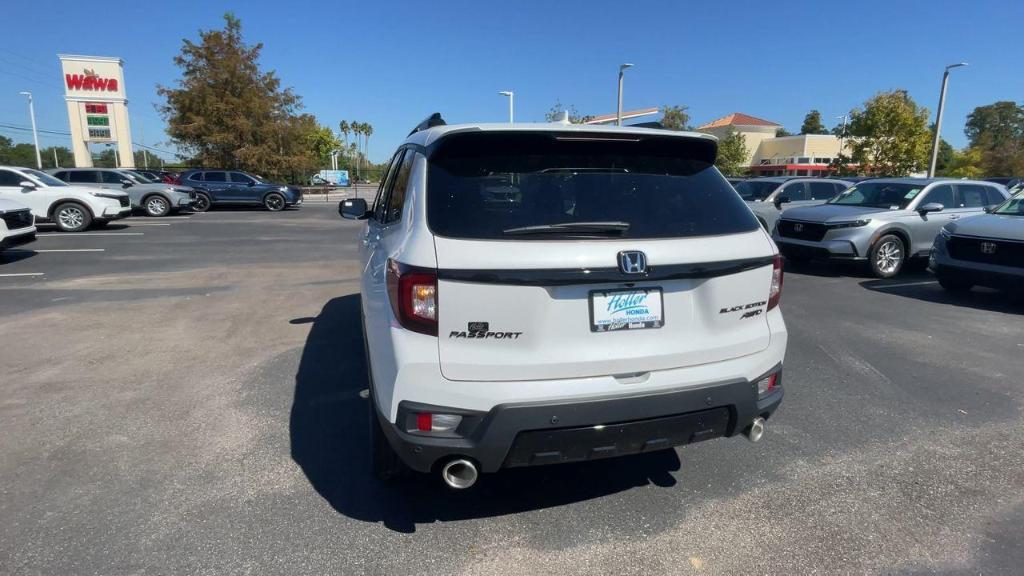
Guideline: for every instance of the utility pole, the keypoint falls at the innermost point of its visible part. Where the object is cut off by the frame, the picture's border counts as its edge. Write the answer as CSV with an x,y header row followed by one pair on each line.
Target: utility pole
x,y
938,119
56,163
35,134
618,114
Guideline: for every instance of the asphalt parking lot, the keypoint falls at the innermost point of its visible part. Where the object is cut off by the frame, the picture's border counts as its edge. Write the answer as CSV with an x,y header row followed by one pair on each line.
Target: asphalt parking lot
x,y
184,397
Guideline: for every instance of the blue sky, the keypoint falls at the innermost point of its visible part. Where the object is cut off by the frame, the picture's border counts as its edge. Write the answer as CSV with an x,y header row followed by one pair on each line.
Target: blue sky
x,y
393,63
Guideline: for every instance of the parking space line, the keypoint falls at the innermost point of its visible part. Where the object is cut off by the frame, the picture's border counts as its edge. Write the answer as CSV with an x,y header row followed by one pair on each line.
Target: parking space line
x,y
62,250
146,224
924,283
21,274
65,235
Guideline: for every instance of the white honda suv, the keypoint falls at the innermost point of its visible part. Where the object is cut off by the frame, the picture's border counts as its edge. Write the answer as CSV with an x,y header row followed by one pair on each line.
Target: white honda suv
x,y
71,208
547,293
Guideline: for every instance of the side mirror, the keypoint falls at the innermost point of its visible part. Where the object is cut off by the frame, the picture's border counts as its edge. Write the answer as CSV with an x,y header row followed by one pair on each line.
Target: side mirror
x,y
354,209
126,183
930,207
28,185
780,200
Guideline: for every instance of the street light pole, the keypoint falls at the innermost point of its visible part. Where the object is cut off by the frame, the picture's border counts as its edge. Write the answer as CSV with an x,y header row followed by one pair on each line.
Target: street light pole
x,y
618,113
938,119
511,104
35,135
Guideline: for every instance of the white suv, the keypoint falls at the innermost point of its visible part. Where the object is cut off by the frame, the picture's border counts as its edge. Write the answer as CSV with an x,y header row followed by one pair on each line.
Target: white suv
x,y
545,293
71,208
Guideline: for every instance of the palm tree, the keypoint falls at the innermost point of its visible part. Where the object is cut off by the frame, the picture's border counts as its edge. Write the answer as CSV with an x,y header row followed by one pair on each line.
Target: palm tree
x,y
357,130
344,128
367,132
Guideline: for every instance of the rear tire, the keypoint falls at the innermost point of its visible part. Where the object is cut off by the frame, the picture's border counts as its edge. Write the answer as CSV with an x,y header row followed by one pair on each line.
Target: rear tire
x,y
157,206
72,217
888,256
954,285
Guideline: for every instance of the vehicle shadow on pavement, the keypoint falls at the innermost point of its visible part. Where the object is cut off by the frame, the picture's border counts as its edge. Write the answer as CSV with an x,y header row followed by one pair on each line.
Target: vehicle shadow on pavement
x,y
13,255
330,435
919,288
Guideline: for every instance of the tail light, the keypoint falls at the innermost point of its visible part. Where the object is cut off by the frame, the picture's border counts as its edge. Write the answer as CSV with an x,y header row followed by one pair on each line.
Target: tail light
x,y
775,292
767,384
413,294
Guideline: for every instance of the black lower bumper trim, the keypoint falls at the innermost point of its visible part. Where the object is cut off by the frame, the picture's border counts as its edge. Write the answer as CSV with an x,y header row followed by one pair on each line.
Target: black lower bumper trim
x,y
608,440
529,434
987,278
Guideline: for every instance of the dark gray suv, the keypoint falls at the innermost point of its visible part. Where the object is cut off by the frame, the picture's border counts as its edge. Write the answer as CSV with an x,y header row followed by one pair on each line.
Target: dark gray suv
x,y
215,187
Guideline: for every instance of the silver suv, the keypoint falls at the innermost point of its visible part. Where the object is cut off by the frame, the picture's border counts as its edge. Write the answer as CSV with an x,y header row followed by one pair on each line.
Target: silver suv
x,y
155,199
770,197
883,221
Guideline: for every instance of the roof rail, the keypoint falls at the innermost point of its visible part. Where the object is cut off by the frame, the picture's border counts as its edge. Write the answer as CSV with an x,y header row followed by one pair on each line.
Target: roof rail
x,y
431,121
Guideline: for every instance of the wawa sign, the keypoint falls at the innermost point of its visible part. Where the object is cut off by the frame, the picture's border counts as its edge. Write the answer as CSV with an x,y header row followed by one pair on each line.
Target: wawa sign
x,y
92,77
90,80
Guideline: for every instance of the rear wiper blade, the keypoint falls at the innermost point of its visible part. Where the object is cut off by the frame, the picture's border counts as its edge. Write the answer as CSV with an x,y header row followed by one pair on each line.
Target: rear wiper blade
x,y
571,227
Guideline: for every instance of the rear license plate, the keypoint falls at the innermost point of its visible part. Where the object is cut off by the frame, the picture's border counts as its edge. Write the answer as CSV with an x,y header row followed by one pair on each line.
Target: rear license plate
x,y
628,309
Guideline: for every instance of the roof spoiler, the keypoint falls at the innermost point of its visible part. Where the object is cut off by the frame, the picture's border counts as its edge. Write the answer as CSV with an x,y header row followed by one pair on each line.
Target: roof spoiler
x,y
655,124
431,121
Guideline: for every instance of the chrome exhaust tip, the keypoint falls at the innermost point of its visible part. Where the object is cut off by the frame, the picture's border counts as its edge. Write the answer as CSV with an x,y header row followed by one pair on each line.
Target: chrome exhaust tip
x,y
459,474
755,431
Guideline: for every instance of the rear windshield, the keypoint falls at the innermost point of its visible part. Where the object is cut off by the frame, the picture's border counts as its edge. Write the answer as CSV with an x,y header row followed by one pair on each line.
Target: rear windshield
x,y
500,185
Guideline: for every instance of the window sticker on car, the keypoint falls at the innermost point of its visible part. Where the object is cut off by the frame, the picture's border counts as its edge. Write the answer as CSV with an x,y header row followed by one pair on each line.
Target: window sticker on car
x,y
910,195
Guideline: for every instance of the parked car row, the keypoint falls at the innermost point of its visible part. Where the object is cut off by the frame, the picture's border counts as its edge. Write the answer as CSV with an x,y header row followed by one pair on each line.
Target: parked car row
x,y
76,199
888,221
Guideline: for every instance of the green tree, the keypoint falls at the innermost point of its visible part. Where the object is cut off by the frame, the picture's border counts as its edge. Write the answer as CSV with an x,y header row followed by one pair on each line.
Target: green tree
x,y
812,124
22,154
225,111
946,155
555,114
890,135
997,132
732,154
105,159
675,118
965,163
64,157
782,132
322,141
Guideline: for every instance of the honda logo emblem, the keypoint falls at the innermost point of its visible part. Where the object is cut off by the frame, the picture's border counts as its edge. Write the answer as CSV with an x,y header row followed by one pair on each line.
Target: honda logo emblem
x,y
988,247
798,227
632,262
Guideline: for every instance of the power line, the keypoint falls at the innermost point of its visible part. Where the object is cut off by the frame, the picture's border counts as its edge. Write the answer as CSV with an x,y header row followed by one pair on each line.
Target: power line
x,y
68,134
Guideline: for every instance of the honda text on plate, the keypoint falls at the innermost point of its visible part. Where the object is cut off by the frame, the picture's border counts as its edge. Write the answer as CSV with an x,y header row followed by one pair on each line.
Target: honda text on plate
x,y
546,293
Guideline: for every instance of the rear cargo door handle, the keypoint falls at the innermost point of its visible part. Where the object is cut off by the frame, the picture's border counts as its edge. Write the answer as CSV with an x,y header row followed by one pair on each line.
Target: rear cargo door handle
x,y
954,216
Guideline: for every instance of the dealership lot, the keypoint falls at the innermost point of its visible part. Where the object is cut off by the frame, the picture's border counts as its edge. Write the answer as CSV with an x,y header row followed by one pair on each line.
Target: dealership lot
x,y
183,395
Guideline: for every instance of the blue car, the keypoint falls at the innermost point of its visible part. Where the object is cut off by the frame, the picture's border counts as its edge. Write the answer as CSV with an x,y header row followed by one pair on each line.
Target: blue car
x,y
220,187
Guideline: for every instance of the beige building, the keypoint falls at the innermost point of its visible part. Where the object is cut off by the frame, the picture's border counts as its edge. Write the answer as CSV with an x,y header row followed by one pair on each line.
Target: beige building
x,y
768,155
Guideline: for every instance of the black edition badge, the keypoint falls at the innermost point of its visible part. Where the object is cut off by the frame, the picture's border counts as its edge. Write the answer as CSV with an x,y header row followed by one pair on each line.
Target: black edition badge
x,y
749,314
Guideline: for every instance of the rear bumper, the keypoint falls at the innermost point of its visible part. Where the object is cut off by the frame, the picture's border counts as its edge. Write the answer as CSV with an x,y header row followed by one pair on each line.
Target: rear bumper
x,y
536,433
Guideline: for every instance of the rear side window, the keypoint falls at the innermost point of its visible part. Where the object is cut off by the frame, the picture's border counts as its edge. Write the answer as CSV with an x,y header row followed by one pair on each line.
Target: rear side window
x,y
492,185
994,195
972,195
216,177
82,176
241,178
